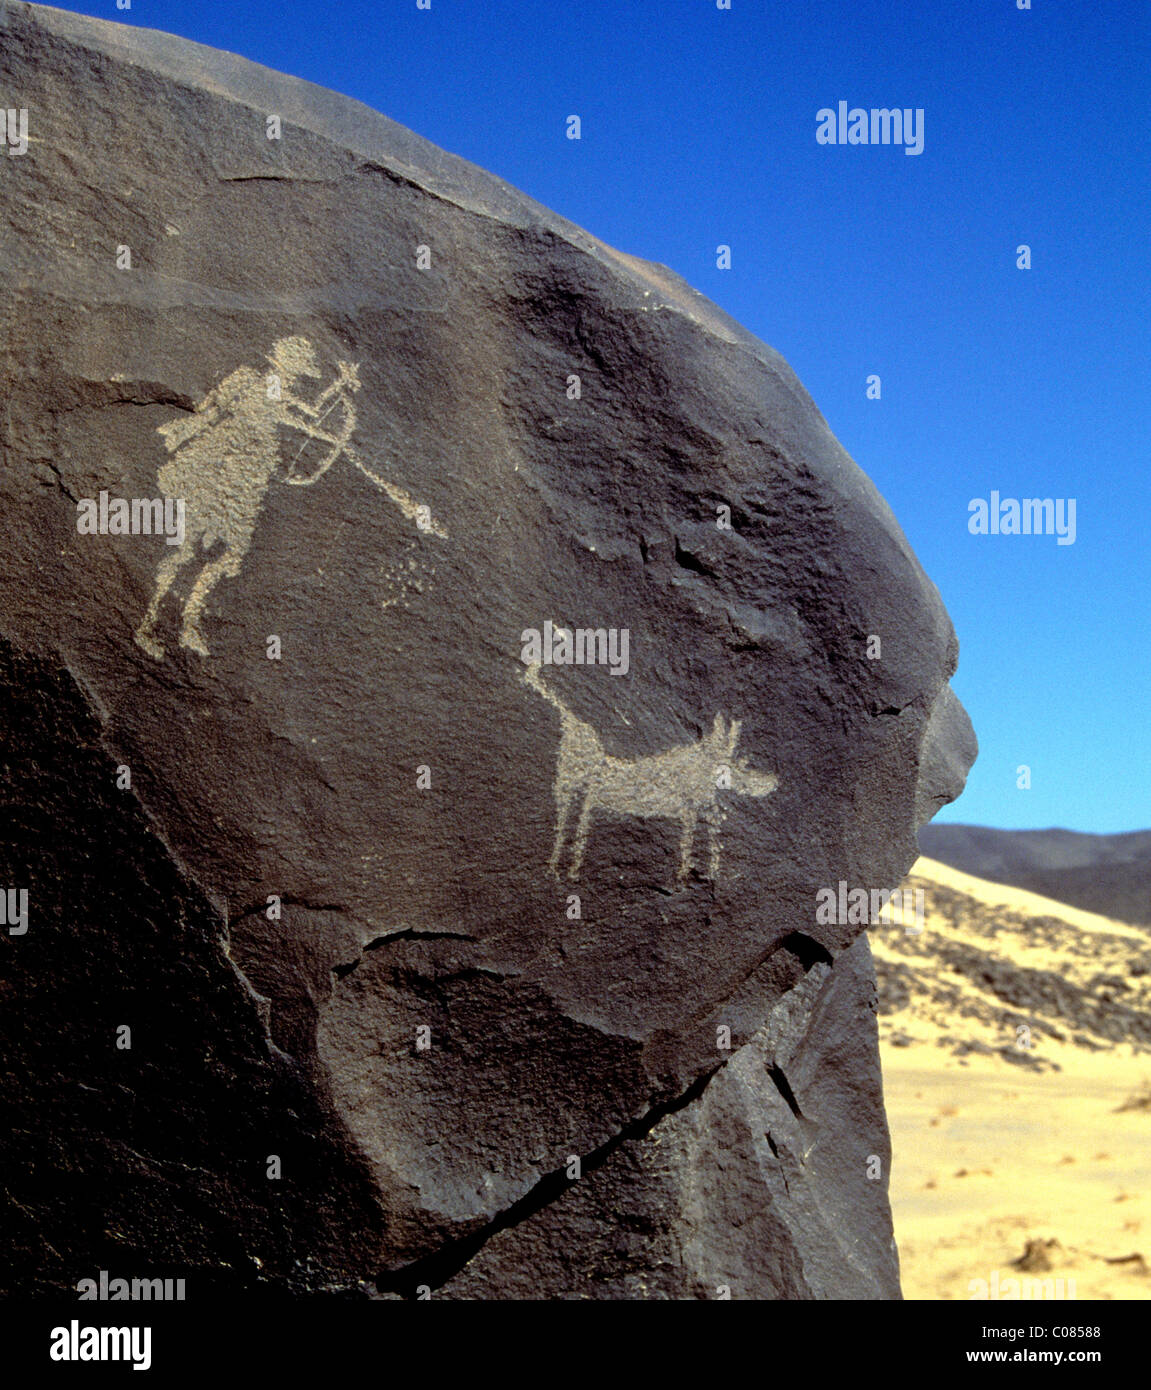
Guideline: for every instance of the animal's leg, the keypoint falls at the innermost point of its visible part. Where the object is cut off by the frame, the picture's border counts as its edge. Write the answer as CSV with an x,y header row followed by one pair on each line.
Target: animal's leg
x,y
713,850
190,635
687,835
564,799
165,577
581,836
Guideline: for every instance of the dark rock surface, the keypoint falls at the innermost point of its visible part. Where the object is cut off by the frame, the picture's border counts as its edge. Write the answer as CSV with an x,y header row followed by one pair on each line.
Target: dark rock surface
x,y
384,469
1108,874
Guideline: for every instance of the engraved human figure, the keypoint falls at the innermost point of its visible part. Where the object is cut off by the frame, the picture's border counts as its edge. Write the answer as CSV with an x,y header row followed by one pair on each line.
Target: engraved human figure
x,y
682,784
224,458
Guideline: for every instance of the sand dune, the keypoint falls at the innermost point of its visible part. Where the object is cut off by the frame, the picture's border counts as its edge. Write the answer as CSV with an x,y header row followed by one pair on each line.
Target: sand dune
x,y
1016,1041
1102,873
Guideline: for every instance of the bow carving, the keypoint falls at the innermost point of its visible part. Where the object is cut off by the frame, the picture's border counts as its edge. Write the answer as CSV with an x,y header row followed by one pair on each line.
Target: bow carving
x,y
347,377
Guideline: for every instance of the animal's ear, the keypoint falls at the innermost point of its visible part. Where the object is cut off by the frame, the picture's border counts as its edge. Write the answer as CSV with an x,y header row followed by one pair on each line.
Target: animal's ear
x,y
733,732
717,726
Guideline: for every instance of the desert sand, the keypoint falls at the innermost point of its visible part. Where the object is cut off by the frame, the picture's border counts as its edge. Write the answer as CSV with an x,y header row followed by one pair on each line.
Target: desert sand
x,y
1031,1147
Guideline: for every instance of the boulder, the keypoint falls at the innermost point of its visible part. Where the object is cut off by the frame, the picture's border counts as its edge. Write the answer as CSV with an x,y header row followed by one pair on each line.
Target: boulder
x,y
443,658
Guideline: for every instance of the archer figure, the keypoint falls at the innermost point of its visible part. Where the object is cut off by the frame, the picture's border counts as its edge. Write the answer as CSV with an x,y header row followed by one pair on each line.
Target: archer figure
x,y
223,460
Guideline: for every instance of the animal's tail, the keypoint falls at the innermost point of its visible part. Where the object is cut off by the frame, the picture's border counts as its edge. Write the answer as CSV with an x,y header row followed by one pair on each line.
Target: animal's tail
x,y
533,678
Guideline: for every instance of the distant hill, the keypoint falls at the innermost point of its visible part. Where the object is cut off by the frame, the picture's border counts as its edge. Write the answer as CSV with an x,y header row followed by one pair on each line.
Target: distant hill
x,y
1108,874
992,957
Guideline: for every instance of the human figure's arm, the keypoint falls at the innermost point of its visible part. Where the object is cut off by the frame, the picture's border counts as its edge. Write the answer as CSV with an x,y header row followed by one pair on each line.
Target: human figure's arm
x,y
313,433
346,375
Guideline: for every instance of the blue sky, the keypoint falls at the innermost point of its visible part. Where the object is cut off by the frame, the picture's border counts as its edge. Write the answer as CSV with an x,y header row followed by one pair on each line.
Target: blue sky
x,y
698,128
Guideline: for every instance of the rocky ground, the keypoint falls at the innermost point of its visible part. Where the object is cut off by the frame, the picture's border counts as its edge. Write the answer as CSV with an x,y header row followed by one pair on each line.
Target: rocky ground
x,y
1016,1042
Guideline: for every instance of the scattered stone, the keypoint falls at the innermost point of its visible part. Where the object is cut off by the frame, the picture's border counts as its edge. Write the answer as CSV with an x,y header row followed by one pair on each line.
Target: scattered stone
x,y
1037,1256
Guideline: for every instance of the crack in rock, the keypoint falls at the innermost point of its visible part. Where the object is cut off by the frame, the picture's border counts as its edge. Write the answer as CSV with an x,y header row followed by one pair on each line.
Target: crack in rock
x,y
434,1270
410,934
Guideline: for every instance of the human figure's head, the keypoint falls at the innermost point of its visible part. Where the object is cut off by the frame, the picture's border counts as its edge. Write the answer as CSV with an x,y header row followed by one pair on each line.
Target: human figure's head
x,y
292,358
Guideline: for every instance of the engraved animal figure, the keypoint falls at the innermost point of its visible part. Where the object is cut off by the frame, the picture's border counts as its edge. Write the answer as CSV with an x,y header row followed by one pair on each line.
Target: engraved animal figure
x,y
681,784
224,458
